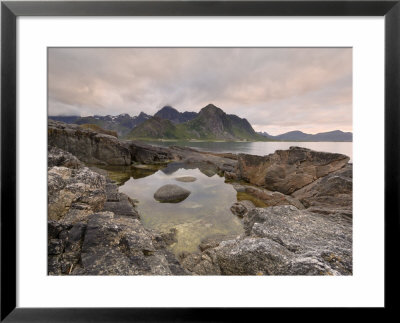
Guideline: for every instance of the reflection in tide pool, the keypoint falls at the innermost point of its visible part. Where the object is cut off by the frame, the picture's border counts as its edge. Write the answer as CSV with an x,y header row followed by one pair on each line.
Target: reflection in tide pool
x,y
205,213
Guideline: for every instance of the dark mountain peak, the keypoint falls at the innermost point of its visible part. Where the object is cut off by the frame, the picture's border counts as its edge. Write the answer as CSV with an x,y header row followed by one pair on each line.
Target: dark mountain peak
x,y
167,112
296,132
211,106
173,115
211,109
336,132
168,108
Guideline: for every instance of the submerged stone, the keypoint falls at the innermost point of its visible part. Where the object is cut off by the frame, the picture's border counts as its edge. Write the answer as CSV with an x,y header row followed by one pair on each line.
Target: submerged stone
x,y
171,194
186,179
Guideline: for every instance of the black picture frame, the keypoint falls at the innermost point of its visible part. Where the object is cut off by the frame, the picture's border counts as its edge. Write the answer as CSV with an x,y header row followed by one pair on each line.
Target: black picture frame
x,y
10,11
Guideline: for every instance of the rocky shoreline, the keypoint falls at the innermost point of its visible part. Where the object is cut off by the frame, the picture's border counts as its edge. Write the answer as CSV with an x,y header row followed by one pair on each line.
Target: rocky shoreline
x,y
296,207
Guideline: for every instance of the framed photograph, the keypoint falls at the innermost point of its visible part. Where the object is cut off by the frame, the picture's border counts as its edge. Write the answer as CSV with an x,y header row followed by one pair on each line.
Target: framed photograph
x,y
178,160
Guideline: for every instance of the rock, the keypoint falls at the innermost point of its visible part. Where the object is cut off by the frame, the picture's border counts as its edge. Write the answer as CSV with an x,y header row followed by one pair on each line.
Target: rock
x,y
239,188
98,129
100,171
262,197
77,212
242,207
201,162
231,176
186,179
260,215
147,154
87,145
202,263
310,266
79,191
122,206
280,240
287,171
94,147
83,241
173,264
272,198
110,245
55,246
209,172
112,192
59,157
122,246
170,237
66,248
209,243
208,163
54,228
305,234
213,242
171,194
331,194
224,155
73,245
101,252
252,256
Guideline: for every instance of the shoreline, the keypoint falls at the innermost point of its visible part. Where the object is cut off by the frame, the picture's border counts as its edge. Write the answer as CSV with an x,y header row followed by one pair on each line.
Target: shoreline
x,y
316,206
227,141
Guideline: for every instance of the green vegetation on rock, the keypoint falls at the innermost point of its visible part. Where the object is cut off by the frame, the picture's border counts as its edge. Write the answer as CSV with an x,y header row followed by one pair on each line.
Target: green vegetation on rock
x,y
242,196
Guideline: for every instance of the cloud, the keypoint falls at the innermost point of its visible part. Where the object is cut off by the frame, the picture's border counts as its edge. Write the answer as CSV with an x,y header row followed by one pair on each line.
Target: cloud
x,y
276,89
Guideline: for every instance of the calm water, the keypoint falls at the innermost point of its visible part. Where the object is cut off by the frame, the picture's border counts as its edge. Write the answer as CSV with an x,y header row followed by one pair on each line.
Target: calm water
x,y
205,213
262,148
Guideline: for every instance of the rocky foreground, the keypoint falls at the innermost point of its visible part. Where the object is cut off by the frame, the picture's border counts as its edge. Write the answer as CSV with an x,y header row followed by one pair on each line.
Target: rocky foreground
x,y
296,207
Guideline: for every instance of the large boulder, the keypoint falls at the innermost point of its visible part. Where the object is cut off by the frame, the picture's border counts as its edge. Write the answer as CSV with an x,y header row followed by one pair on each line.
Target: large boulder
x,y
252,256
109,245
147,154
171,194
310,237
281,240
74,193
286,171
332,194
87,145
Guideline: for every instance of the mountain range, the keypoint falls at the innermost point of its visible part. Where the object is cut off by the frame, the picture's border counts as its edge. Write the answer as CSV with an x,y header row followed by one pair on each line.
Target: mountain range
x,y
335,135
122,123
211,123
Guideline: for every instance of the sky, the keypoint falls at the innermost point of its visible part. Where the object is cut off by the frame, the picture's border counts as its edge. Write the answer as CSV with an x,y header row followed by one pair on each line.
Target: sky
x,y
276,89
